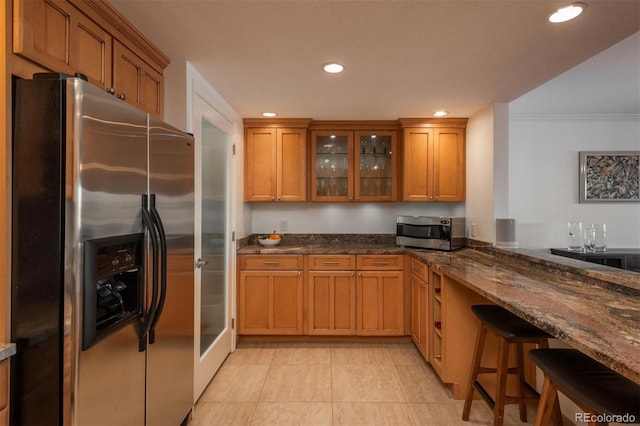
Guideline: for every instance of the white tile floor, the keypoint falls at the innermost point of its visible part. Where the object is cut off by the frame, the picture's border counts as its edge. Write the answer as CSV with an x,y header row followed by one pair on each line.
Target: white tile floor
x,y
334,384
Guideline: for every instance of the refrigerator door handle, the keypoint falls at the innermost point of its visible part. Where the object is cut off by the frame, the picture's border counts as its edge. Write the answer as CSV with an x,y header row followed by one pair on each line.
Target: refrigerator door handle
x,y
163,267
145,323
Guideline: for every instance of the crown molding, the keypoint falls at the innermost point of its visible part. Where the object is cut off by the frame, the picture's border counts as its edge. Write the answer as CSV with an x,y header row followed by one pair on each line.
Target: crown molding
x,y
574,117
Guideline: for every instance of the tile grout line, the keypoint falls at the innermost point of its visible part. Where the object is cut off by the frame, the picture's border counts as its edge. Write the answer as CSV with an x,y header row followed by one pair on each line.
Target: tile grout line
x,y
255,407
402,391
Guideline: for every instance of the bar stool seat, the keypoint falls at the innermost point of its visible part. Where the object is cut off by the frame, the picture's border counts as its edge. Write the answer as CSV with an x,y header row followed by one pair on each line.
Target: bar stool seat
x,y
593,386
506,324
510,329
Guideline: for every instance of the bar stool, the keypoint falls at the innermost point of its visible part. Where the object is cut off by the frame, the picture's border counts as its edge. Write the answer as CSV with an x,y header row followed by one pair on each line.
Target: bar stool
x,y
596,389
510,329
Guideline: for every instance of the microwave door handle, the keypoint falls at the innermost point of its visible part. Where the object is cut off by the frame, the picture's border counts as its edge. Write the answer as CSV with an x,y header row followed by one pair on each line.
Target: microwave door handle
x,y
147,221
163,268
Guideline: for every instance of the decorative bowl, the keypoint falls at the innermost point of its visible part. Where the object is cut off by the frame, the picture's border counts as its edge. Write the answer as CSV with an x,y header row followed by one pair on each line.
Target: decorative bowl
x,y
268,242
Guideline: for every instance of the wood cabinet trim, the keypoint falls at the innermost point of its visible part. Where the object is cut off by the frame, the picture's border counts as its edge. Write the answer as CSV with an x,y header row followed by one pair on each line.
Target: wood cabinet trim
x,y
362,125
433,122
105,15
261,262
332,262
420,269
380,262
292,123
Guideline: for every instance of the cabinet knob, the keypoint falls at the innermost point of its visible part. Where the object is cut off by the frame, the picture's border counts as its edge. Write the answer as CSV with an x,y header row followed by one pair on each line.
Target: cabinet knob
x,y
111,90
273,198
437,197
353,274
360,274
121,96
299,273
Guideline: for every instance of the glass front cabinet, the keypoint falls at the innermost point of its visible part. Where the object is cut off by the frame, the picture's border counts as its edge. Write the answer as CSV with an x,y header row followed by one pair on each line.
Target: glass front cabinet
x,y
353,165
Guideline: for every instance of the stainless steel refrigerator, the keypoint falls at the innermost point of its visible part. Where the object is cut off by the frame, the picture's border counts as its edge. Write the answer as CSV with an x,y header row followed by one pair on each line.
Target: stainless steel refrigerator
x,y
102,292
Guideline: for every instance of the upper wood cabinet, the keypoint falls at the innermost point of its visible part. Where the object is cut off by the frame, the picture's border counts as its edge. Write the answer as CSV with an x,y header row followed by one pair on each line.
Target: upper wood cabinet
x,y
88,38
275,162
331,165
433,161
357,164
135,81
56,35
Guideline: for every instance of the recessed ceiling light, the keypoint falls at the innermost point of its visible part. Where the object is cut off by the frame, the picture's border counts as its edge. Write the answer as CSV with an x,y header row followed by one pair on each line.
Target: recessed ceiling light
x,y
440,113
333,68
567,13
269,114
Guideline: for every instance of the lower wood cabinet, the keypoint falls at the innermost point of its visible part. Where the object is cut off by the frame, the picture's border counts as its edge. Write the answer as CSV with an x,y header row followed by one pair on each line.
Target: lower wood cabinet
x,y
275,297
380,303
332,303
380,295
419,306
332,295
270,295
4,389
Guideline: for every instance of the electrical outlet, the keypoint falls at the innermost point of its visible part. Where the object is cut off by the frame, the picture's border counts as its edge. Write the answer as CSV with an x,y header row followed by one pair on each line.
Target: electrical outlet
x,y
473,230
284,225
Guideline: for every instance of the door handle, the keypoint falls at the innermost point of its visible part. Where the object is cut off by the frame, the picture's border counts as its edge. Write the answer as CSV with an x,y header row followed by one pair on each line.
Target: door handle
x,y
163,266
201,262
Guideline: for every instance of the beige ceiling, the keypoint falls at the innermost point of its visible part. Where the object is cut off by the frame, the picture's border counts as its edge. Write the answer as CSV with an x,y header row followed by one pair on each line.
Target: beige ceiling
x,y
402,58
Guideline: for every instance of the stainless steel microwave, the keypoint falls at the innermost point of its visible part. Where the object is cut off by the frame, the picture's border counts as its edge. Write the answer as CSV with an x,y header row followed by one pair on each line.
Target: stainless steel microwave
x,y
438,233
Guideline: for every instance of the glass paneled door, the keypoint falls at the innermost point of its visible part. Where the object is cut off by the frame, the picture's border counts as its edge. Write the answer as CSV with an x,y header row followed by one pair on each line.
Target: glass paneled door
x,y
332,161
375,166
213,244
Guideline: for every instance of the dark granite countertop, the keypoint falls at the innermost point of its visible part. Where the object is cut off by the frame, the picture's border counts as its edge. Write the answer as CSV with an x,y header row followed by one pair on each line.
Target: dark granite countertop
x,y
593,308
7,350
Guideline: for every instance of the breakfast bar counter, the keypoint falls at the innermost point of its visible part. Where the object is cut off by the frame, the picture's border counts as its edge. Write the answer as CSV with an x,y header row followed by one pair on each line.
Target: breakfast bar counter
x,y
595,309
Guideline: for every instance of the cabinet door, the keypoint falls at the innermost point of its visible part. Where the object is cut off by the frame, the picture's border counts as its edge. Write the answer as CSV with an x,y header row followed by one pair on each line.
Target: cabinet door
x,y
375,166
291,165
419,293
90,51
270,302
56,35
380,303
449,164
417,174
331,166
41,32
332,303
135,80
260,178
4,386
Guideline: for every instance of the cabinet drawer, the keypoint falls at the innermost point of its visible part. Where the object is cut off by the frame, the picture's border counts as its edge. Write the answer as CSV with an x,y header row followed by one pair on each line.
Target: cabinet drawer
x,y
332,262
271,262
419,269
4,378
381,262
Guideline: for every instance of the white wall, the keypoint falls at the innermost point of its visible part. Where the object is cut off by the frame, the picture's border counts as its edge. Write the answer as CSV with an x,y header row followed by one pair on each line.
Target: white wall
x,y
543,178
480,175
342,218
175,94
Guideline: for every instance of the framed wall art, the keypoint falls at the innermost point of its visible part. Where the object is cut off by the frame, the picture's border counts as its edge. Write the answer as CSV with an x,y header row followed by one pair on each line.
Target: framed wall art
x,y
609,176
